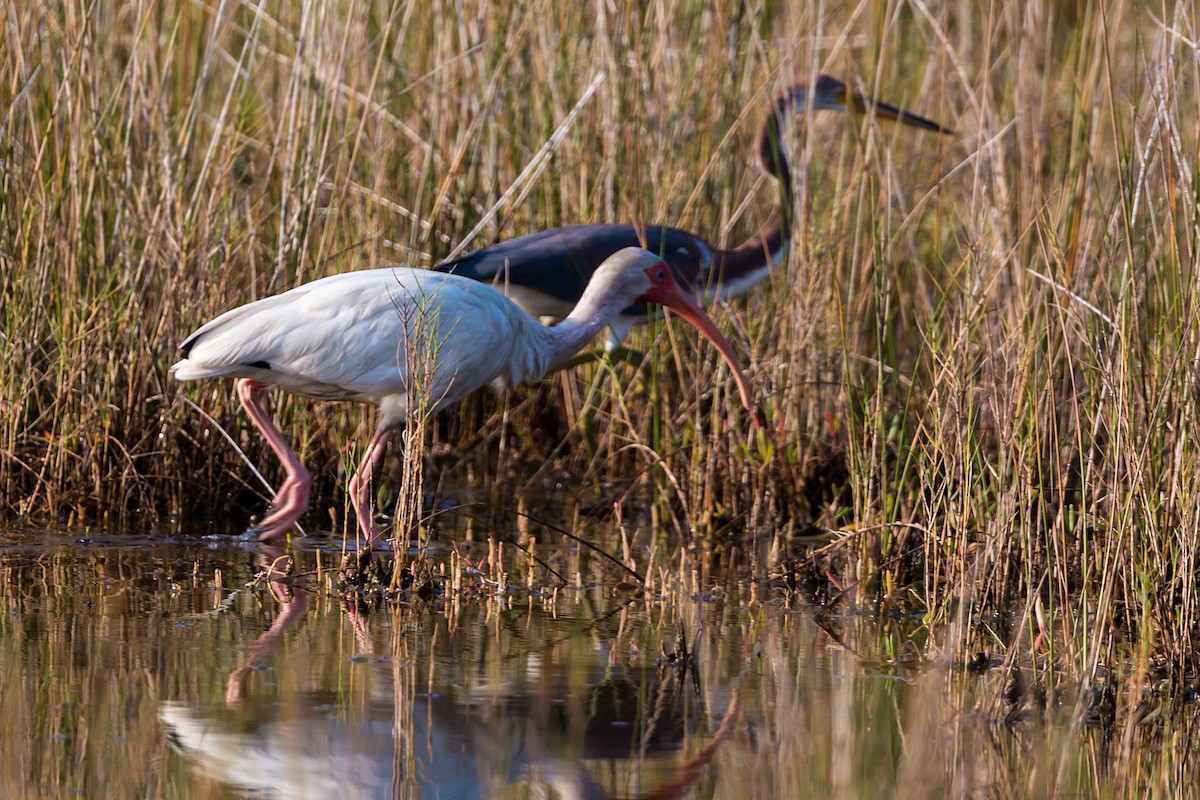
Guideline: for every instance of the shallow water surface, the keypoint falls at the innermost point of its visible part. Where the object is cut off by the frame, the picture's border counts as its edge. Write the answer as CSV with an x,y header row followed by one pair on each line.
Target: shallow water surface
x,y
151,668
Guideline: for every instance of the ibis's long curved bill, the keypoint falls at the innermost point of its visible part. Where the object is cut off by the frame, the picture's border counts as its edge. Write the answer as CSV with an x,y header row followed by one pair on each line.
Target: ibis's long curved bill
x,y
860,103
678,300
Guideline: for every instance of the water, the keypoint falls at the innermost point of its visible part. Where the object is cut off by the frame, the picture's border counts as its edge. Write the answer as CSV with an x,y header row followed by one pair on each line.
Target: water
x,y
152,668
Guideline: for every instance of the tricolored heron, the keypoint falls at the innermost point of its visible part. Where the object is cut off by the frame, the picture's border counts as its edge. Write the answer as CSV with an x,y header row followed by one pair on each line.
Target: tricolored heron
x,y
545,273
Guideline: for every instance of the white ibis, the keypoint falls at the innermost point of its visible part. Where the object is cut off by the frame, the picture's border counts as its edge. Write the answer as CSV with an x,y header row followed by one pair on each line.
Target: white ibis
x,y
395,337
545,273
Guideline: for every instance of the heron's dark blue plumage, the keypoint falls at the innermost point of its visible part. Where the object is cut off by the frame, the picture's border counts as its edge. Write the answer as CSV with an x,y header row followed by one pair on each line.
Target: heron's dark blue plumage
x,y
560,262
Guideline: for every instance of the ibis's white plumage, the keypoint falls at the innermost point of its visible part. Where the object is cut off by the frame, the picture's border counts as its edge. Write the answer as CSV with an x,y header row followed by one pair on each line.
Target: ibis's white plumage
x,y
399,337
364,336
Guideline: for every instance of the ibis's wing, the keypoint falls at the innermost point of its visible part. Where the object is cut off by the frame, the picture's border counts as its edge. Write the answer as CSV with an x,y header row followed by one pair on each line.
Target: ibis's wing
x,y
363,335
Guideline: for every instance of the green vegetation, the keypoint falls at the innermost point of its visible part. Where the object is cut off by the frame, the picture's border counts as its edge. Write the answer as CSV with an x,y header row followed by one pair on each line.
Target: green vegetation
x,y
981,360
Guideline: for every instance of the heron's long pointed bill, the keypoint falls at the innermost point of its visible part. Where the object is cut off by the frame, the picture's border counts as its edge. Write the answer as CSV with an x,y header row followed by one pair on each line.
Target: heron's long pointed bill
x,y
865,105
682,304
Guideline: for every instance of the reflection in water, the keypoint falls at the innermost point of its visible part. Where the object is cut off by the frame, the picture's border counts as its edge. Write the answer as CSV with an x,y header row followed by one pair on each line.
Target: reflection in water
x,y
315,755
110,648
292,599
444,742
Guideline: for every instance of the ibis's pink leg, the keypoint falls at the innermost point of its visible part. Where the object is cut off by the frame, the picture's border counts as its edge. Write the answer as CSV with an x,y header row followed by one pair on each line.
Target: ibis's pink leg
x,y
292,498
360,486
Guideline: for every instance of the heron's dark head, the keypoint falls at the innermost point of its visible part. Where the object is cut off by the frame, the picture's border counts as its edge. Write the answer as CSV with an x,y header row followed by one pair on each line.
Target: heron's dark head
x,y
829,93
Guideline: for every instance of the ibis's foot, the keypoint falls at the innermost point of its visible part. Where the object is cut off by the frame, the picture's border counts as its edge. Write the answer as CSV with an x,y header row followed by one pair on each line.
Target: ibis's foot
x,y
271,526
268,530
260,533
290,504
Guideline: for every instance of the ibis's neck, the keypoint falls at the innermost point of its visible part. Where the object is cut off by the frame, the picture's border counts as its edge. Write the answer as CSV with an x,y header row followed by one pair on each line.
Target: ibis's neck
x,y
594,310
734,271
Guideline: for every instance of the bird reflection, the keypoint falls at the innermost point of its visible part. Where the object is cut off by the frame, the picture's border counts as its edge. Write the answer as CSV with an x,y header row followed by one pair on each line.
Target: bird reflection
x,y
445,742
293,602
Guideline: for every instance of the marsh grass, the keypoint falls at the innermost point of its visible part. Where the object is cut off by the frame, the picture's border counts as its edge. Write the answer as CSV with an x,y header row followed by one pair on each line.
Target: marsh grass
x,y
979,364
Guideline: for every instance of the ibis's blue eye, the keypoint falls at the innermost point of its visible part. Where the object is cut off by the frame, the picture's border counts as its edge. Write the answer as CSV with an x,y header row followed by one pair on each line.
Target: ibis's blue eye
x,y
661,274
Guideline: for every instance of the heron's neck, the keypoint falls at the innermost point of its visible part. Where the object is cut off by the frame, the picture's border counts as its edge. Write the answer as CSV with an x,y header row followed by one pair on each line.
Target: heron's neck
x,y
594,310
734,271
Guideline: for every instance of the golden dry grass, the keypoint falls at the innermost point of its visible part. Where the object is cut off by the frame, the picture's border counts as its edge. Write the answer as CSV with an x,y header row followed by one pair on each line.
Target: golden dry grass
x,y
982,356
